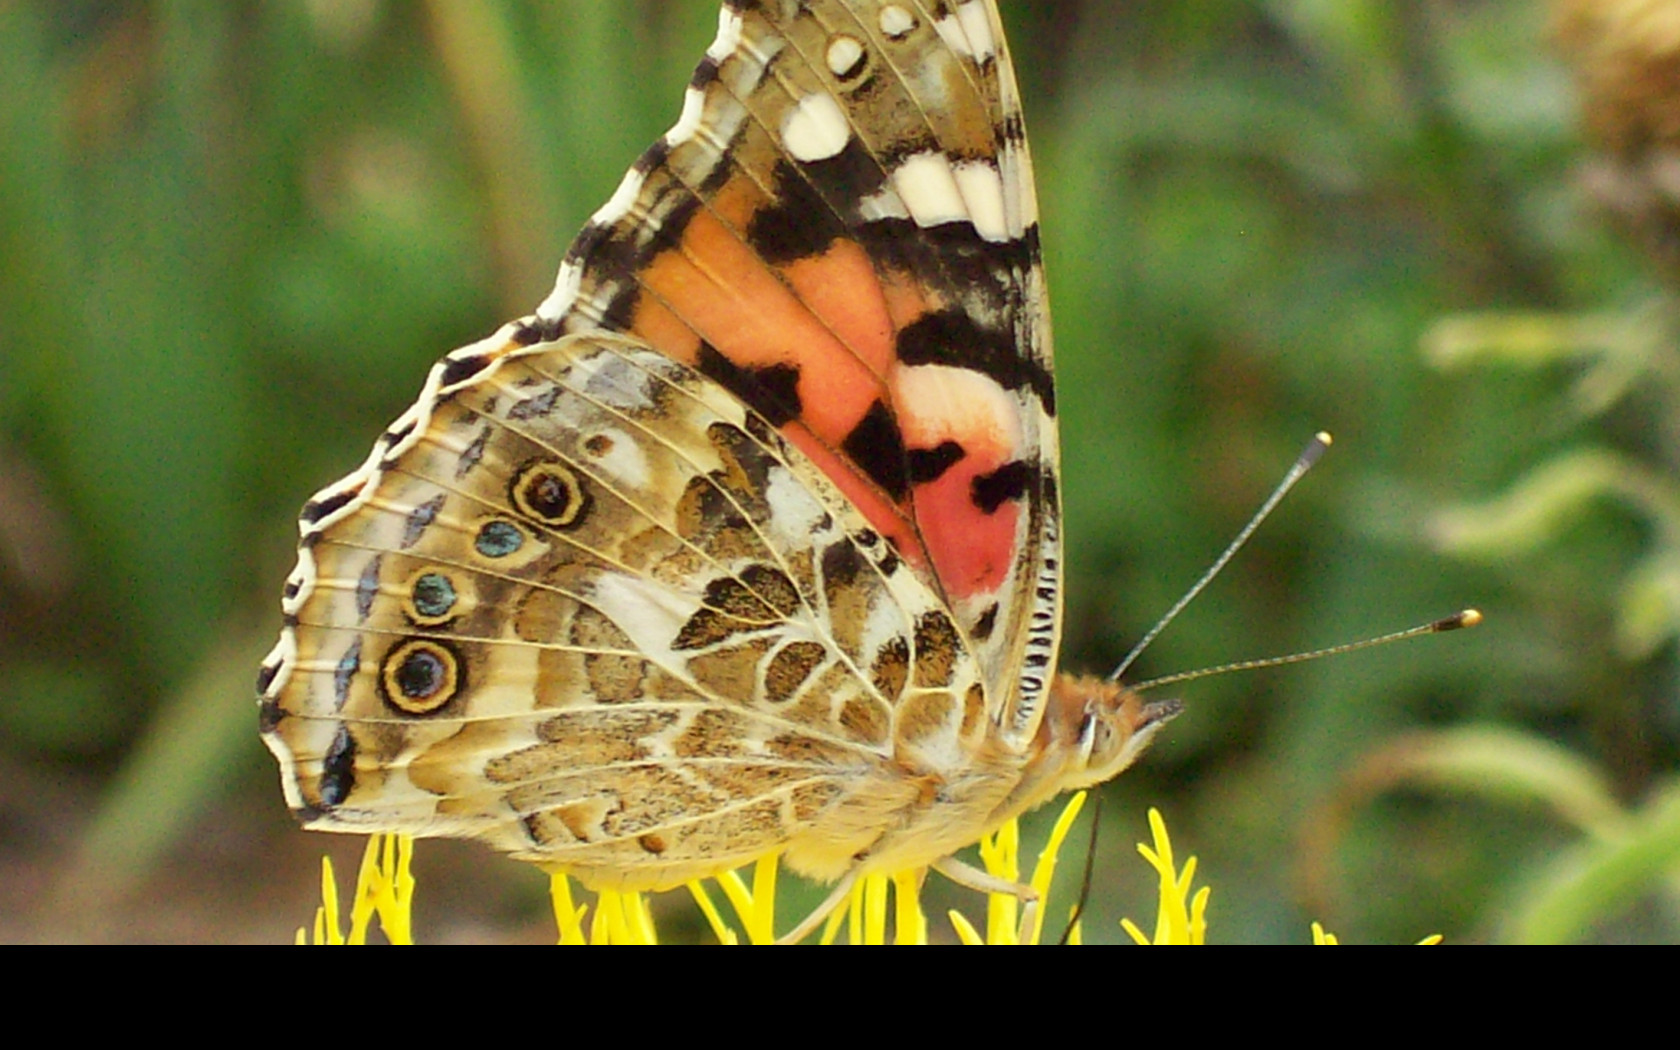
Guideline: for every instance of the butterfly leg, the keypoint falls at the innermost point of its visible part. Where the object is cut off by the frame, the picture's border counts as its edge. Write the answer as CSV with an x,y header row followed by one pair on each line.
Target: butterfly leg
x,y
968,875
836,897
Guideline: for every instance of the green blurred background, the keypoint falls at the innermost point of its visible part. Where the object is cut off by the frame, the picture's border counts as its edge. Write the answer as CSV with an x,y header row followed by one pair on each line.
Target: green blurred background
x,y
234,235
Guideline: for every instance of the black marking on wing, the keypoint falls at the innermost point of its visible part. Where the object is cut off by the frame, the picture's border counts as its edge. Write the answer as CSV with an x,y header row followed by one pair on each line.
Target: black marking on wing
x,y
344,674
620,311
876,446
952,337
269,714
419,519
315,510
472,454
772,391
800,224
392,437
458,369
929,464
367,588
841,564
990,491
338,769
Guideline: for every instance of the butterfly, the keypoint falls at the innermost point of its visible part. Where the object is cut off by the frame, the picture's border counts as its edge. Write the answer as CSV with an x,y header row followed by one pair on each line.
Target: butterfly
x,y
748,539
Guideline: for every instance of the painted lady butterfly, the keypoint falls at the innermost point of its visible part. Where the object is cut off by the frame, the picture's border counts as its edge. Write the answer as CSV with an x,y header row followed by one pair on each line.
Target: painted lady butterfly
x,y
748,539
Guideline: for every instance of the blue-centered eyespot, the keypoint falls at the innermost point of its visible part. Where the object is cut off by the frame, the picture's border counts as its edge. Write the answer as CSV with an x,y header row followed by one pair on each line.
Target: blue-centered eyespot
x,y
498,539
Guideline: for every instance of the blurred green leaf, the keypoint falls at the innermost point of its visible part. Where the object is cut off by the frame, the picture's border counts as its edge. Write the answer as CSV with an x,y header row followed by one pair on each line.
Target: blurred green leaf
x,y
1596,881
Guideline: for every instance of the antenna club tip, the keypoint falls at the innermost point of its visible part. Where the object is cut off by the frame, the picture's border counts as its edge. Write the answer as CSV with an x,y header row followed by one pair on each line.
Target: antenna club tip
x,y
1467,618
1315,448
1323,438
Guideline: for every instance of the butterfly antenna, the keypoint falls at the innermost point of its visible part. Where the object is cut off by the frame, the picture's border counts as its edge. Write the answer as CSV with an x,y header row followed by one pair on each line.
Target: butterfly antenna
x,y
1458,620
1303,463
1078,911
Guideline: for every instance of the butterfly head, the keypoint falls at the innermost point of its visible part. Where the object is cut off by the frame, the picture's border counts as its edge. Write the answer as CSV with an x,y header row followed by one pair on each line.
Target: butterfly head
x,y
1097,728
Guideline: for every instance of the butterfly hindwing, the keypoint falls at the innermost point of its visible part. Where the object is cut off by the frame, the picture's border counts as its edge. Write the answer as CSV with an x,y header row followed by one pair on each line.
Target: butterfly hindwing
x,y
592,610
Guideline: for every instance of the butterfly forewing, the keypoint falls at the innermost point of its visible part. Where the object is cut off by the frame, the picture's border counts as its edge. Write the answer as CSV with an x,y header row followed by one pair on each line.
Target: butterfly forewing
x,y
842,231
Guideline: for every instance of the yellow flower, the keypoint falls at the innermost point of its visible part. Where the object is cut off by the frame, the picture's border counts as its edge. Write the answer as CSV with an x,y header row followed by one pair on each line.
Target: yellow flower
x,y
1007,920
1180,918
622,918
384,888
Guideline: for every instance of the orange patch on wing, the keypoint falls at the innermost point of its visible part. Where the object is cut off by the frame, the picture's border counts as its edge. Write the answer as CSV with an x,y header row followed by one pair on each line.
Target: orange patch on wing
x,y
722,290
841,288
739,199
665,331
830,320
905,299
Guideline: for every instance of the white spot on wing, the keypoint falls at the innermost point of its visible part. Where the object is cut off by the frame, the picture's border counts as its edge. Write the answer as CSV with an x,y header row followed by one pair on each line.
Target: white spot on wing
x,y
648,611
951,31
896,21
958,404
977,28
815,128
883,205
624,460
982,191
618,205
843,54
884,622
926,185
565,292
728,35
795,515
694,106
1018,187
607,377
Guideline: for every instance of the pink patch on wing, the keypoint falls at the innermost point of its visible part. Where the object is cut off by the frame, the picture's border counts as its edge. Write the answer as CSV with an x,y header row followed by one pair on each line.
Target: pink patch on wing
x,y
973,552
